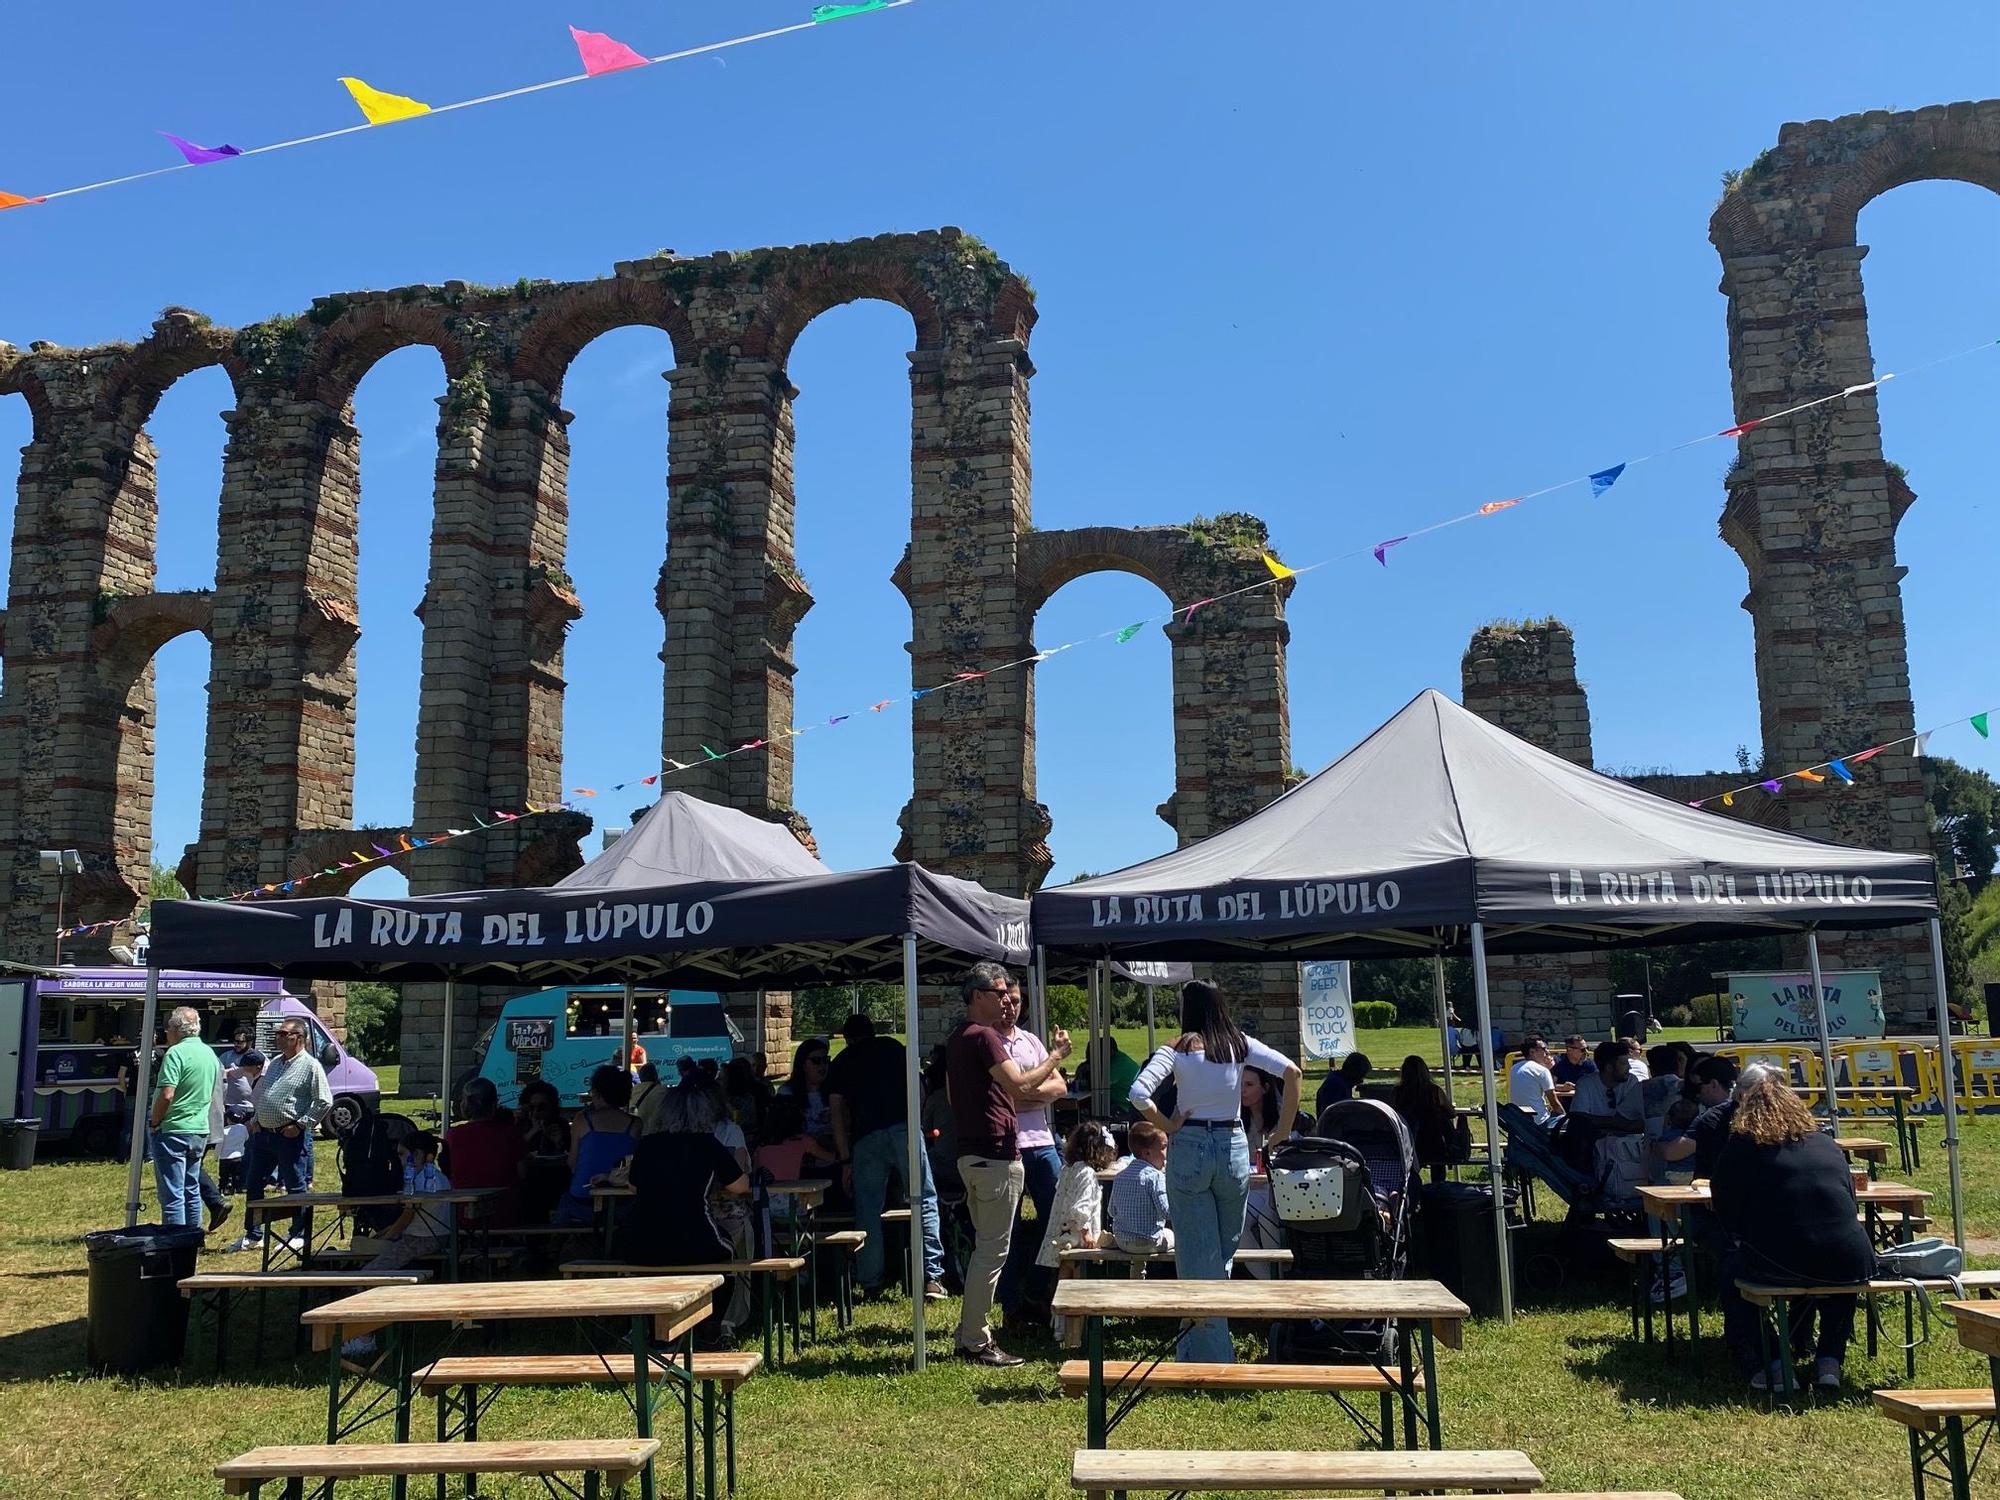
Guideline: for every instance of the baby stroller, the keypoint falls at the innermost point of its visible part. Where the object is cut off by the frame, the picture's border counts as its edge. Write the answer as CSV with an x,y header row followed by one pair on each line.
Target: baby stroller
x,y
1346,1195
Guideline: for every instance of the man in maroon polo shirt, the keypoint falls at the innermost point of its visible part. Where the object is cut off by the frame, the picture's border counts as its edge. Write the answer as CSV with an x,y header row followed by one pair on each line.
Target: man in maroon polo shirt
x,y
986,1085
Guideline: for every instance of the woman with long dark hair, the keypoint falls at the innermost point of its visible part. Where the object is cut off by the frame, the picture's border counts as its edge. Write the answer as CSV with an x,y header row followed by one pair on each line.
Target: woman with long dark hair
x,y
1427,1112
1208,1157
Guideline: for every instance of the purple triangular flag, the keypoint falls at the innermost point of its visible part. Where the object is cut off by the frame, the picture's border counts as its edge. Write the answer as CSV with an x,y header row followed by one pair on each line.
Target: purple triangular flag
x,y
1773,787
1383,547
197,155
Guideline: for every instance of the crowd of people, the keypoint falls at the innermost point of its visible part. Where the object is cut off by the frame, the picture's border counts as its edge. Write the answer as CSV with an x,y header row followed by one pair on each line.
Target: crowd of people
x,y
1783,1206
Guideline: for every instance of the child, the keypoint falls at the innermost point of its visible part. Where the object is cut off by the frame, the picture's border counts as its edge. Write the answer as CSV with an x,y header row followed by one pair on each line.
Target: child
x,y
420,1227
1675,1146
783,1158
1139,1195
1076,1217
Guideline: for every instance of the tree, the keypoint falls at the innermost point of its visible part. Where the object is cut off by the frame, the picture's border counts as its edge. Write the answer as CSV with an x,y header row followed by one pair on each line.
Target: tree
x,y
1965,806
375,1020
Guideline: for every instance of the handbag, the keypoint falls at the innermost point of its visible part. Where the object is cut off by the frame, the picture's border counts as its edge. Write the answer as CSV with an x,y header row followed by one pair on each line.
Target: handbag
x,y
1930,1258
1306,1195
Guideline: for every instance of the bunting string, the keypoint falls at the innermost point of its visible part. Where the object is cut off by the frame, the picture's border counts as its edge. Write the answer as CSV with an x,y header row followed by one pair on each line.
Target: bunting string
x,y
599,54
1599,482
406,843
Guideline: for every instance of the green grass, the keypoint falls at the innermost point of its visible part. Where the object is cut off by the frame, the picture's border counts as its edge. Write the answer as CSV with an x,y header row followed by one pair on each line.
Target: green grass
x,y
1565,1383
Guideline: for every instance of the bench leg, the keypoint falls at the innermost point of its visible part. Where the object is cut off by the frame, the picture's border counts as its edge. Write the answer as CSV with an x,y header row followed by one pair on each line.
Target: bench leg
x,y
729,1436
1909,1337
708,1440
1687,1249
1916,1465
1388,1415
590,1483
642,1395
1961,1476
764,1295
1664,1260
1096,1429
1407,1365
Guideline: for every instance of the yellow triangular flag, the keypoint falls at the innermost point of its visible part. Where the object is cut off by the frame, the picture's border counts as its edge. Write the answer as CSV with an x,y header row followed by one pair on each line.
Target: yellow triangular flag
x,y
1278,569
381,108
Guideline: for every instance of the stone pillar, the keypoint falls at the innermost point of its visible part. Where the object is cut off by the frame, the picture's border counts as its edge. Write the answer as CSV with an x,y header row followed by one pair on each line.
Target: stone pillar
x,y
972,812
83,535
1812,510
279,756
1523,679
1232,732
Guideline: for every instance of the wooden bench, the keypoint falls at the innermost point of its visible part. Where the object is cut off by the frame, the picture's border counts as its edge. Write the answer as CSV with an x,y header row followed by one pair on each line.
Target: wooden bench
x,y
1502,1471
1640,1252
1780,1298
1937,1422
219,1285
713,1372
597,1459
494,1256
1337,1381
845,1243
780,1274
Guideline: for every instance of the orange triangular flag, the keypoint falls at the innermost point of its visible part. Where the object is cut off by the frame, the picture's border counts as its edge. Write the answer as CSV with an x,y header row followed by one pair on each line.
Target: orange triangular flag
x,y
1809,775
15,200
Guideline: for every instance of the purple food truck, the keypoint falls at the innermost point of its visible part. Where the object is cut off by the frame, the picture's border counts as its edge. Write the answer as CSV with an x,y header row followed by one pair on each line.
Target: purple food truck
x,y
69,1051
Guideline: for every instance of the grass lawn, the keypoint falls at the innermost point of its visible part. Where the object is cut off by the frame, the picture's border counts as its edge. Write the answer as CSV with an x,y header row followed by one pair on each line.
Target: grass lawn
x,y
1565,1383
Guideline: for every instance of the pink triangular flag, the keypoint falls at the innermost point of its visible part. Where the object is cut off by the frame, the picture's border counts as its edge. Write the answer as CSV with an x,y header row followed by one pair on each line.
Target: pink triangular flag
x,y
603,54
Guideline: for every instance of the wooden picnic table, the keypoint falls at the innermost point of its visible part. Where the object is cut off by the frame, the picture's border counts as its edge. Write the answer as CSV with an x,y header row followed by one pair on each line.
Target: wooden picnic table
x,y
1669,1204
303,1205
1436,1312
1895,1093
805,1195
1979,1331
656,1309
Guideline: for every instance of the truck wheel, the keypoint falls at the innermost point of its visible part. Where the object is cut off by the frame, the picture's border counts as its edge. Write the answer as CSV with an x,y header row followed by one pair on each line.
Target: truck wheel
x,y
96,1136
346,1113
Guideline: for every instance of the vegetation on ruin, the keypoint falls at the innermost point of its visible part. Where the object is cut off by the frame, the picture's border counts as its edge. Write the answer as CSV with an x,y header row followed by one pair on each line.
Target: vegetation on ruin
x,y
1230,528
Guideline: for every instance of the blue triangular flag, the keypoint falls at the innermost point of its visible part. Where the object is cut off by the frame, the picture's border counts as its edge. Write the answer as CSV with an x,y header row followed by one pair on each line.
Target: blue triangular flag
x,y
1603,479
1841,771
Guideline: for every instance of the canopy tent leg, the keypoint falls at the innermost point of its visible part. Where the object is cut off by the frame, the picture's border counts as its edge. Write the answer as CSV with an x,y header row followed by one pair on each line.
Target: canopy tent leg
x,y
142,1096
631,1029
1948,1071
1038,994
1444,1024
1100,1039
444,1055
1151,1043
913,1174
1819,1020
1495,1155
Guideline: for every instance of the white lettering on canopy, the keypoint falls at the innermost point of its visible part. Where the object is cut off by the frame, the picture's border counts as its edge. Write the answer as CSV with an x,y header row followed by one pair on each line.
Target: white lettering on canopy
x,y
1664,888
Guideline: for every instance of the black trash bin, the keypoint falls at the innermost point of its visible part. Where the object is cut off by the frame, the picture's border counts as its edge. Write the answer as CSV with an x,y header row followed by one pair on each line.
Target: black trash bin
x,y
1455,1243
17,1144
138,1318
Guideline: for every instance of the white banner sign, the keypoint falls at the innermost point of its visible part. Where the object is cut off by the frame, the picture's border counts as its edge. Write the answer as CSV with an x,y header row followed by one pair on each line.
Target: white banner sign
x,y
1326,1010
1779,1007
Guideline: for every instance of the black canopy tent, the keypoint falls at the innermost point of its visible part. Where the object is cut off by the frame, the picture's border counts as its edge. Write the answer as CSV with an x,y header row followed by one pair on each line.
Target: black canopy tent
x,y
1442,834
902,922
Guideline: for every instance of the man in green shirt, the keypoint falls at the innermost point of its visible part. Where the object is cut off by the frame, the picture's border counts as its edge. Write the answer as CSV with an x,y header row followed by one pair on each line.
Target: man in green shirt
x,y
188,1078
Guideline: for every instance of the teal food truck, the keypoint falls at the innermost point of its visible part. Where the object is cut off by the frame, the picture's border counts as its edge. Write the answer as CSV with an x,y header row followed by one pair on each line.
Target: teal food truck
x,y
564,1035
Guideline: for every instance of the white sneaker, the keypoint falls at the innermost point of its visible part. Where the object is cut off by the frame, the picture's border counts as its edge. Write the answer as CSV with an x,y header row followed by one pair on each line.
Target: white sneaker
x,y
291,1242
1676,1288
1772,1379
248,1242
1826,1373
355,1348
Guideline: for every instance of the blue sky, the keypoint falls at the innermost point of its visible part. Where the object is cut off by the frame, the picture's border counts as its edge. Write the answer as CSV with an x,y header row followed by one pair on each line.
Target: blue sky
x,y
1351,268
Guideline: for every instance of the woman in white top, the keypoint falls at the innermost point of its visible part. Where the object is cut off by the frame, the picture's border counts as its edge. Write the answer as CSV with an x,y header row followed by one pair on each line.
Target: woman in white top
x,y
1208,1159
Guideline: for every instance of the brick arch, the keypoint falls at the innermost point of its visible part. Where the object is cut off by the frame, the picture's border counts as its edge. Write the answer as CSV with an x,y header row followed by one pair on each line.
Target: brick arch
x,y
1808,191
362,334
181,343
569,319
18,378
136,627
1052,559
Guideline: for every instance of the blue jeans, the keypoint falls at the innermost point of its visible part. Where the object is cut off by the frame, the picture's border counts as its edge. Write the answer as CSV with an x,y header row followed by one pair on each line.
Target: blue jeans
x,y
879,1155
176,1168
1023,1281
1208,1179
288,1158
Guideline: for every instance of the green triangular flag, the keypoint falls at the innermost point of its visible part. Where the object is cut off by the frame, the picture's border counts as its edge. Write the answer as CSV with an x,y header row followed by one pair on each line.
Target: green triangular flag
x,y
1129,631
1979,723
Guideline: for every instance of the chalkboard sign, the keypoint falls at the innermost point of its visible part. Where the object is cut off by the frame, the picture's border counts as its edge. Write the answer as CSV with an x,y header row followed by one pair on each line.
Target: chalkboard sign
x,y
532,1035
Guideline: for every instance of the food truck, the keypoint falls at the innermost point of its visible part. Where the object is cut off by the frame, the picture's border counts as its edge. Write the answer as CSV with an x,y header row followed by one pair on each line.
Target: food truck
x,y
69,1044
564,1035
